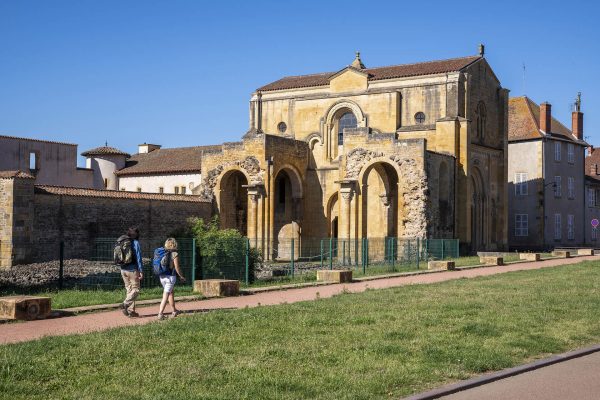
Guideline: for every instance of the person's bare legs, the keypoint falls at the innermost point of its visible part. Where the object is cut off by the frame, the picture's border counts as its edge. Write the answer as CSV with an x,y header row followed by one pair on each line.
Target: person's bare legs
x,y
172,301
163,303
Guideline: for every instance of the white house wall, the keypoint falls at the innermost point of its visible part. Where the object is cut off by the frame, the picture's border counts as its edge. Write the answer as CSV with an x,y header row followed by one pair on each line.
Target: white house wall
x,y
151,184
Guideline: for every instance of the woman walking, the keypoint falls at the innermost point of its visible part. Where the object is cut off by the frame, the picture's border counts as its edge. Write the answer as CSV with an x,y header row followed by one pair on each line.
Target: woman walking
x,y
168,279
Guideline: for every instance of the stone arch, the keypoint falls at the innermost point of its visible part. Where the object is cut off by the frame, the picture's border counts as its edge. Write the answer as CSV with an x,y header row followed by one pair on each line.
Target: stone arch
x,y
342,105
232,200
332,214
412,187
379,189
287,212
332,116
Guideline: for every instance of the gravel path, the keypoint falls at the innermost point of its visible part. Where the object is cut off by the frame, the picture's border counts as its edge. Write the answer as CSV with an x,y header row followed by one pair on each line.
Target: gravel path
x,y
25,331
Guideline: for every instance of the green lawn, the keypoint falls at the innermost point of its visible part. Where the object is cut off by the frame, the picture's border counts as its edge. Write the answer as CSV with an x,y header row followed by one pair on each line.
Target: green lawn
x,y
379,344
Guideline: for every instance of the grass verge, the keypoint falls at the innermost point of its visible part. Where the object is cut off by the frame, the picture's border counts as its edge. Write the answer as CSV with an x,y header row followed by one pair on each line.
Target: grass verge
x,y
374,345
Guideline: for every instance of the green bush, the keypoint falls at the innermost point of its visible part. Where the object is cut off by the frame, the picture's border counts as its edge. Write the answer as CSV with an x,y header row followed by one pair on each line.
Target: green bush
x,y
223,252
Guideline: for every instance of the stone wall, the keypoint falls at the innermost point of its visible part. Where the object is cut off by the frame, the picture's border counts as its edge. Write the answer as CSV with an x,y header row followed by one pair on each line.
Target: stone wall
x,y
41,217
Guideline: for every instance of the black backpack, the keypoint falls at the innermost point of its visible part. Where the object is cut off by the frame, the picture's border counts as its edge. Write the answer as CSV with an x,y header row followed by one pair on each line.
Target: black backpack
x,y
123,253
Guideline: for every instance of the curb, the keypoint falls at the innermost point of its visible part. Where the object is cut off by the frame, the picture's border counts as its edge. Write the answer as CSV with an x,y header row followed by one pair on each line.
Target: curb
x,y
503,374
250,291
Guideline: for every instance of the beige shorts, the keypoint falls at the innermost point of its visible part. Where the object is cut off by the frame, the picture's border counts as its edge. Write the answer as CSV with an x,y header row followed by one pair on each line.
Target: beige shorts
x,y
168,283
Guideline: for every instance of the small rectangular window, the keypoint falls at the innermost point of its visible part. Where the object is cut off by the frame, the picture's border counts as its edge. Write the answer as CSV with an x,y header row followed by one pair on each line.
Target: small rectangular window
x,y
557,151
176,190
557,226
33,161
591,197
139,189
571,187
570,227
521,225
571,153
521,184
183,190
122,189
105,183
557,186
161,189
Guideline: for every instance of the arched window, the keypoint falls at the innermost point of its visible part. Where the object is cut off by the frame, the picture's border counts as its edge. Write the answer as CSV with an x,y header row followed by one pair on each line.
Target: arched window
x,y
347,120
481,120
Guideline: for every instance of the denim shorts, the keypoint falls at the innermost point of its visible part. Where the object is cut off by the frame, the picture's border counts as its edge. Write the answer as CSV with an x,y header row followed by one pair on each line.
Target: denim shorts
x,y
168,283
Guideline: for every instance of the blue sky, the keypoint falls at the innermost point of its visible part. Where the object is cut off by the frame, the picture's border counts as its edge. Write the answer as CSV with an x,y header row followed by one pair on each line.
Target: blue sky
x,y
180,73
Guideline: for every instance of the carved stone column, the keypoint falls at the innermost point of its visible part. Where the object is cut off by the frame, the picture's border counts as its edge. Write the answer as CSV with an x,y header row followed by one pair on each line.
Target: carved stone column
x,y
347,194
254,193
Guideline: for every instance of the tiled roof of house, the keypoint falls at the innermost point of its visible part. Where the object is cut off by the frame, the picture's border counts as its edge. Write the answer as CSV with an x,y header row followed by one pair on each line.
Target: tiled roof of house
x,y
15,174
35,140
524,122
375,74
591,161
105,150
114,194
166,161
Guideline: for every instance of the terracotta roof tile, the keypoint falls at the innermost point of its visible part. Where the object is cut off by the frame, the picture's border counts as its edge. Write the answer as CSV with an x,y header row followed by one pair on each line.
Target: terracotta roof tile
x,y
15,174
105,150
524,122
590,161
379,73
35,140
114,194
161,161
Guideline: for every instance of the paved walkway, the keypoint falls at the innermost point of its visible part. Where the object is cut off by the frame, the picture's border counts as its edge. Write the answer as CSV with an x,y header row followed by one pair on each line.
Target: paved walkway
x,y
573,379
20,332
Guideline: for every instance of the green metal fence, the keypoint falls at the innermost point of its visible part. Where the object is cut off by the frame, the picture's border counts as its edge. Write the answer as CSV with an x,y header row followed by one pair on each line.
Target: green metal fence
x,y
106,276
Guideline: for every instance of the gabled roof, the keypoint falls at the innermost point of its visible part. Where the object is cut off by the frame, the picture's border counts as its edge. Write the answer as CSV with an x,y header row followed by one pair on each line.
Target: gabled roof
x,y
166,161
524,122
105,151
375,74
15,174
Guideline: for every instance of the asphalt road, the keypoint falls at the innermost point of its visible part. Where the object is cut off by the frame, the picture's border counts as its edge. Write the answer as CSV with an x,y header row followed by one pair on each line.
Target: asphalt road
x,y
577,379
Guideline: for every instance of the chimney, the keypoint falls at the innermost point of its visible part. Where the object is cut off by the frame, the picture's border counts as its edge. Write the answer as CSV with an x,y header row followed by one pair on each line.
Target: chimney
x,y
577,119
546,117
590,150
147,148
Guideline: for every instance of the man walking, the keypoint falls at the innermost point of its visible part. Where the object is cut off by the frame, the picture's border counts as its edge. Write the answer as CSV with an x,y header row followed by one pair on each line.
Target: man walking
x,y
128,255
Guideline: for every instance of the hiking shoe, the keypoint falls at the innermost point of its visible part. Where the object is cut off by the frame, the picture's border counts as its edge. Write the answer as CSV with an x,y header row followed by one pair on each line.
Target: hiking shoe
x,y
175,313
132,314
124,309
161,317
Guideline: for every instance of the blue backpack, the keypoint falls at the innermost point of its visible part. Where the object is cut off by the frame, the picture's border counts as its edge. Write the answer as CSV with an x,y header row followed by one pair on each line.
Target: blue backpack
x,y
161,262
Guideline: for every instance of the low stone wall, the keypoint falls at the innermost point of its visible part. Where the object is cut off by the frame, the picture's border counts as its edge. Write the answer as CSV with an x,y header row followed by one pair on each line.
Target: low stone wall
x,y
43,216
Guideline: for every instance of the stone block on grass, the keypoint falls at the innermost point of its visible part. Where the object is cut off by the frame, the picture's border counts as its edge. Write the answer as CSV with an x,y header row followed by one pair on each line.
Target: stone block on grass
x,y
217,287
530,256
24,307
561,253
491,260
334,275
449,265
585,252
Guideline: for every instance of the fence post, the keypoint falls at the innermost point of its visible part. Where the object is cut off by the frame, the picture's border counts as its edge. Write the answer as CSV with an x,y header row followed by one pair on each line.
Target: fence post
x,y
247,261
356,251
61,266
193,277
392,254
330,253
443,249
365,254
292,258
321,253
426,250
418,251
